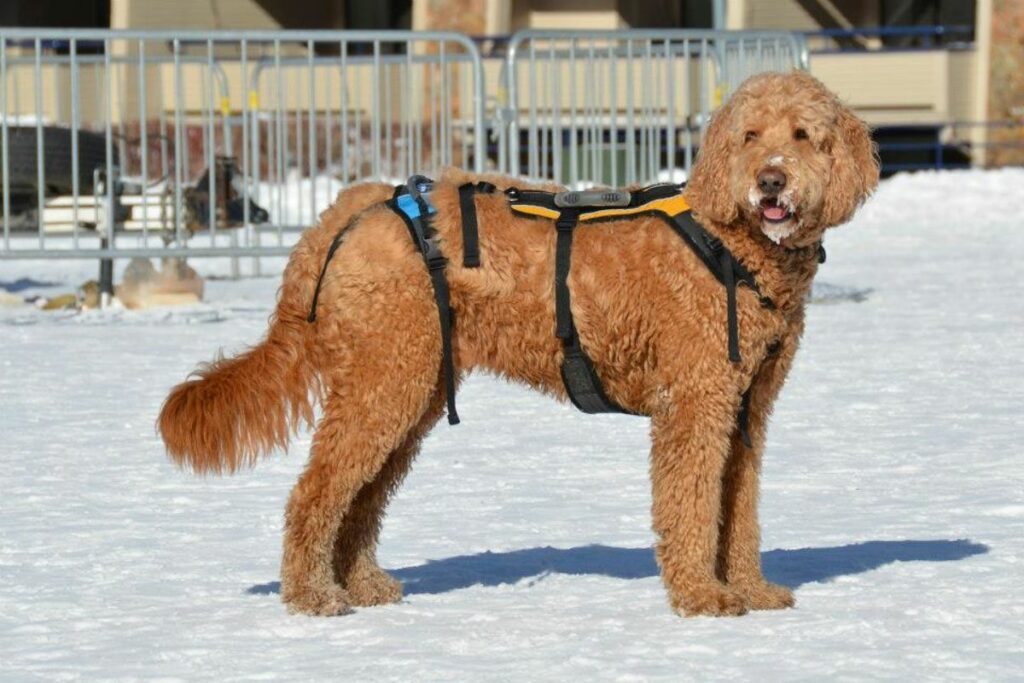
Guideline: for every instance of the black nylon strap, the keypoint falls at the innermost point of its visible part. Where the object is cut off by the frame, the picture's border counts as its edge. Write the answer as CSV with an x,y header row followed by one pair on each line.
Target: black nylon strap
x,y
436,264
470,236
578,375
534,197
729,280
709,249
566,224
653,192
582,384
335,243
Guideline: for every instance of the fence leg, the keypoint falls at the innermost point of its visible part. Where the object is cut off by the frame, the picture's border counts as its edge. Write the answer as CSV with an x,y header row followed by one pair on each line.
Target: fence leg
x,y
236,271
106,277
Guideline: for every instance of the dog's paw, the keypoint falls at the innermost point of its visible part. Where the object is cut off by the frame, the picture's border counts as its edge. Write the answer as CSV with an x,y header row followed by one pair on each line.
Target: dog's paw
x,y
331,601
371,585
712,600
762,594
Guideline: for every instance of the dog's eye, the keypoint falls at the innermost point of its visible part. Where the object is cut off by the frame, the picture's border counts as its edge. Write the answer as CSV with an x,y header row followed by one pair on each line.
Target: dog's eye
x,y
751,135
800,134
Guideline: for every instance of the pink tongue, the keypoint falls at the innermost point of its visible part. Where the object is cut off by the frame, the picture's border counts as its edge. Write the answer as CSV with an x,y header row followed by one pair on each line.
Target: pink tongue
x,y
774,213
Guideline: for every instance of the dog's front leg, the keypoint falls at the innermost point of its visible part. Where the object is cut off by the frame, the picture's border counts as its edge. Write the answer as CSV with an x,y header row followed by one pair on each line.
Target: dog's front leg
x,y
690,444
739,561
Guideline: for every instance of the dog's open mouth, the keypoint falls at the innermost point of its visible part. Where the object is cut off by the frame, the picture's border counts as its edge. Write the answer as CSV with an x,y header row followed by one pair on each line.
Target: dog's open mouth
x,y
778,218
772,211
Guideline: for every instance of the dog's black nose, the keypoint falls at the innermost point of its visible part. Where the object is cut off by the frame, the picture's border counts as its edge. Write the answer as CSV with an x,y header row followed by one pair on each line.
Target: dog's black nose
x,y
771,181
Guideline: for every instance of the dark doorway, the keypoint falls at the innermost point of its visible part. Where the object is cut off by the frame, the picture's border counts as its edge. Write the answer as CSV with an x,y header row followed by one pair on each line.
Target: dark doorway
x,y
56,13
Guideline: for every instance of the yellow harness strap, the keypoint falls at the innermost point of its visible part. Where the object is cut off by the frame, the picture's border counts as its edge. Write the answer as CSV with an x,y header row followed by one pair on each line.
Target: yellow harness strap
x,y
670,206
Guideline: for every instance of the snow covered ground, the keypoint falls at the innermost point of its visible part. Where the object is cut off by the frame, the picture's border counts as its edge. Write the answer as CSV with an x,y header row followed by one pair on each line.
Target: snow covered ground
x,y
893,496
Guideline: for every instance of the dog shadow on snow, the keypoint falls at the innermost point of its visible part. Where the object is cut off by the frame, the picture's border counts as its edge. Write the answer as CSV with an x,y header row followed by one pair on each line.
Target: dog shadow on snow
x,y
791,568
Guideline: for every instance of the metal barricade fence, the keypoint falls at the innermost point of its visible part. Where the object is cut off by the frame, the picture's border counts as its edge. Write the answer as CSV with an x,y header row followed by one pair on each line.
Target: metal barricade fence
x,y
620,107
145,143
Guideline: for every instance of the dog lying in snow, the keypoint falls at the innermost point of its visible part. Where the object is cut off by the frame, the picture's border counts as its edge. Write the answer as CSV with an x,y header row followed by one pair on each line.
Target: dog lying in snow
x,y
782,161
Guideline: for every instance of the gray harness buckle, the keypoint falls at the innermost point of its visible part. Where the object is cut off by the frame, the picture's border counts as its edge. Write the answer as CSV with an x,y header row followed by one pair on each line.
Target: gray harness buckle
x,y
578,199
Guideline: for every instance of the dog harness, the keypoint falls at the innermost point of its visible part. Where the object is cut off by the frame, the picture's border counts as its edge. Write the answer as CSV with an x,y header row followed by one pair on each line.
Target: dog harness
x,y
569,210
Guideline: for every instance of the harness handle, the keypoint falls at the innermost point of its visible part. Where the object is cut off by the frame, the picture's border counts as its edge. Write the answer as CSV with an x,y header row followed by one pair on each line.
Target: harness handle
x,y
565,225
578,199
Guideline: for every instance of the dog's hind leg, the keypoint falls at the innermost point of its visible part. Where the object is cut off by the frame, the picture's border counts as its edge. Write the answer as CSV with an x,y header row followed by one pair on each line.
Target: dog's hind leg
x,y
355,548
739,554
380,381
690,443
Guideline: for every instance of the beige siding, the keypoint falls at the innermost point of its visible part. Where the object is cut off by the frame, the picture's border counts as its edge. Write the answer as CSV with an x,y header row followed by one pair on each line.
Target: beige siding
x,y
778,14
189,14
566,14
806,15
895,87
584,21
962,77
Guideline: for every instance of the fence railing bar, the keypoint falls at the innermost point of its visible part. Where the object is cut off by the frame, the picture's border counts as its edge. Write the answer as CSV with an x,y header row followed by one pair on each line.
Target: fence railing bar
x,y
556,134
165,168
389,168
574,171
40,151
5,144
408,119
282,137
313,168
108,96
705,105
211,163
614,111
595,94
143,136
375,108
670,99
179,207
246,111
445,119
75,104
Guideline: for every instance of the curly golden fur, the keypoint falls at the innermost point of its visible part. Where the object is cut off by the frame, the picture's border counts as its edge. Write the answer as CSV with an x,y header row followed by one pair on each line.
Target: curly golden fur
x,y
650,314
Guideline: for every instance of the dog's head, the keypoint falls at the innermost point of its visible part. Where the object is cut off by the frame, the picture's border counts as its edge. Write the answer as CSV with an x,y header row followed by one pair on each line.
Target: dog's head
x,y
786,157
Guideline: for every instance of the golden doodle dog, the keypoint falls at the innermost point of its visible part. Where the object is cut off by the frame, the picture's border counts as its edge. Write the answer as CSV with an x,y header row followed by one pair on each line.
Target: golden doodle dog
x,y
783,160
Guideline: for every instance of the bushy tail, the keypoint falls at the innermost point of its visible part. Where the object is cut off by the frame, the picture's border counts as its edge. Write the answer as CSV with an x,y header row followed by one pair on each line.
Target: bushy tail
x,y
235,409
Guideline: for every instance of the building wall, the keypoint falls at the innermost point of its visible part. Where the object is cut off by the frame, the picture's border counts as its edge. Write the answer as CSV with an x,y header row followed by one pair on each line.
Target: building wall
x,y
1007,69
190,14
918,87
788,14
806,15
566,14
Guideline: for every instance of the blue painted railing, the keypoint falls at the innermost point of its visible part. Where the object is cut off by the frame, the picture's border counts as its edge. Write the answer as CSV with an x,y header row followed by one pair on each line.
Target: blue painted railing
x,y
938,37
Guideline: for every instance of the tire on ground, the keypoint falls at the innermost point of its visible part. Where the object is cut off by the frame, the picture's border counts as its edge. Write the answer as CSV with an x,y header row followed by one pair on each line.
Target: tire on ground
x,y
57,167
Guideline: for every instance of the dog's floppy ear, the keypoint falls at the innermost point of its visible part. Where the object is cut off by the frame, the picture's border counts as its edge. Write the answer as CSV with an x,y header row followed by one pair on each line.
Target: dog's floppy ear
x,y
708,184
854,168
